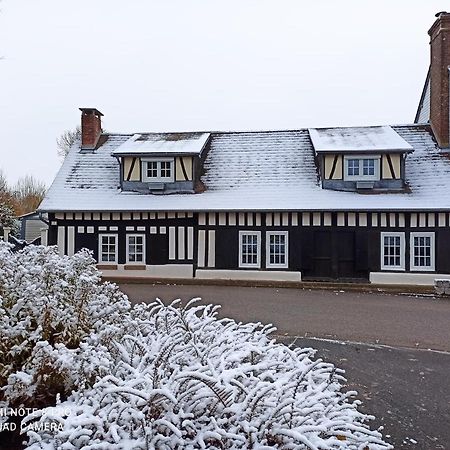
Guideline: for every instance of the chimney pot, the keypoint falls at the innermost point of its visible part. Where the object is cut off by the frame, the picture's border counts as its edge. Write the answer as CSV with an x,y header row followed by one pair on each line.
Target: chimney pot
x,y
91,128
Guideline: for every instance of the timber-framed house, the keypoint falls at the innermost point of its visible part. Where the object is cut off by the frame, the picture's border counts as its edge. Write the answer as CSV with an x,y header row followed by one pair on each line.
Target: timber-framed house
x,y
360,203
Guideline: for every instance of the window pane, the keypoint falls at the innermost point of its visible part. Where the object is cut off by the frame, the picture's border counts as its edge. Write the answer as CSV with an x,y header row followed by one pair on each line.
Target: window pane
x,y
136,248
422,251
277,249
107,248
152,169
353,167
166,169
249,249
392,251
368,167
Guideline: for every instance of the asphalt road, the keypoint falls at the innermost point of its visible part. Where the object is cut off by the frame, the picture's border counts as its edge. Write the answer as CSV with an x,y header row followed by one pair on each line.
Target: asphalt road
x,y
376,318
408,391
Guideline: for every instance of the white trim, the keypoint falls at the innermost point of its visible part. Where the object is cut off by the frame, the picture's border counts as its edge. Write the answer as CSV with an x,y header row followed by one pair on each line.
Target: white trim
x,y
70,241
116,247
180,271
211,248
190,243
201,248
61,240
401,235
432,251
44,236
406,278
248,275
159,178
172,248
362,177
138,263
258,248
181,252
286,254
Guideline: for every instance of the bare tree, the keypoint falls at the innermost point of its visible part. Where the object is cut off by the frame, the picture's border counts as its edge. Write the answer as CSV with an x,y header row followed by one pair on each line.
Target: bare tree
x,y
3,184
8,206
6,196
28,193
66,140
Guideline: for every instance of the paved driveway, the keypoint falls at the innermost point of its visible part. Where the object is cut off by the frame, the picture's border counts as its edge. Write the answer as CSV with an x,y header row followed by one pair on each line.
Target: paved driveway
x,y
397,320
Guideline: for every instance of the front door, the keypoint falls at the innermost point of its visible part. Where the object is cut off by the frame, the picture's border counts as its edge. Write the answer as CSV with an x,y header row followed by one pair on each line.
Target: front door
x,y
333,255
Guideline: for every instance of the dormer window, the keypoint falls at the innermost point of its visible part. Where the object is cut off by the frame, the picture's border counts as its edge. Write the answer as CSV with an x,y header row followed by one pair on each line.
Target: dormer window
x,y
160,163
157,170
362,168
361,159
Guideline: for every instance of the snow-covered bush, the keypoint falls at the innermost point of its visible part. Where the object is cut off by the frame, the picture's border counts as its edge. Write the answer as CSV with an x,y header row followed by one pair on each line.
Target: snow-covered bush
x,y
182,379
54,311
154,376
8,219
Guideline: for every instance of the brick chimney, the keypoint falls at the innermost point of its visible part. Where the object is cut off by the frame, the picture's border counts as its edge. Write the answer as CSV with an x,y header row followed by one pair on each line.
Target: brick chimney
x,y
91,128
439,78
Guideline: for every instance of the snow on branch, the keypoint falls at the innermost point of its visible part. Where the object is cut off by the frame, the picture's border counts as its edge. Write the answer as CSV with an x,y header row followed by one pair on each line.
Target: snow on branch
x,y
185,380
157,376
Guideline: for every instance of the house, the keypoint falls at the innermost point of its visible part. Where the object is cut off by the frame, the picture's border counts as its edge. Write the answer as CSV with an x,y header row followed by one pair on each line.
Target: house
x,y
32,225
360,203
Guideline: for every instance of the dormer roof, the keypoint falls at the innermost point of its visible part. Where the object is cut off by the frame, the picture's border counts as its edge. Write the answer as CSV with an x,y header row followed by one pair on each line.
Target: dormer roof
x,y
163,144
376,139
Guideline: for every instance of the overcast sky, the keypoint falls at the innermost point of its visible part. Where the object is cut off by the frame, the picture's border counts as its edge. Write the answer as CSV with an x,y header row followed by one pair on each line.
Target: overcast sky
x,y
204,65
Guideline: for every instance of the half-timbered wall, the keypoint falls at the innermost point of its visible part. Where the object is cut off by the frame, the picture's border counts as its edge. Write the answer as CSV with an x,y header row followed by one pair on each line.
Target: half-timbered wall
x,y
391,166
183,168
333,167
321,245
131,168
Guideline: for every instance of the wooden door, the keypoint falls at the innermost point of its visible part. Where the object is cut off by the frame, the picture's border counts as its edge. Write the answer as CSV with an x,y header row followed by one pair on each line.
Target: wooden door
x,y
333,256
322,255
345,255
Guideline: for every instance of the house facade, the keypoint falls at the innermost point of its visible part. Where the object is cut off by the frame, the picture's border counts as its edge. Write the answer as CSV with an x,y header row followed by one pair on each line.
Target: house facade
x,y
360,203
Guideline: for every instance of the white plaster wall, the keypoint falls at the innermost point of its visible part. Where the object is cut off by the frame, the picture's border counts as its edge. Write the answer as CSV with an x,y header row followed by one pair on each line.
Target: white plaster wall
x,y
250,275
159,271
413,279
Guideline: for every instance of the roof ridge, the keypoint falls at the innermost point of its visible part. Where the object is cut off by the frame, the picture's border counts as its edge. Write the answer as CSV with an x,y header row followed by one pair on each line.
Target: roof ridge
x,y
279,130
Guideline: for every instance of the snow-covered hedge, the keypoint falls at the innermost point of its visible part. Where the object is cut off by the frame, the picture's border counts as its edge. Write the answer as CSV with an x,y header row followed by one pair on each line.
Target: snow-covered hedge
x,y
8,219
156,376
53,312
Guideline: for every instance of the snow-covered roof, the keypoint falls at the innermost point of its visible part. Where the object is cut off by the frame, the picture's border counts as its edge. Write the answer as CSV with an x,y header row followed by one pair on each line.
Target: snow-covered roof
x,y
423,110
163,144
358,139
253,171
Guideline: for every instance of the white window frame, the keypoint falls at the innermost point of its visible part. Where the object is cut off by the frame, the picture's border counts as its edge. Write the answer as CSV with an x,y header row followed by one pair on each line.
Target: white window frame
x,y
100,252
159,178
286,254
258,249
401,267
430,234
362,177
143,248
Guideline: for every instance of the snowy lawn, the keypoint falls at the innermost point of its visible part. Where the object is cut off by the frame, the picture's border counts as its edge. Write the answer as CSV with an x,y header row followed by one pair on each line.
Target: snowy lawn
x,y
156,376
